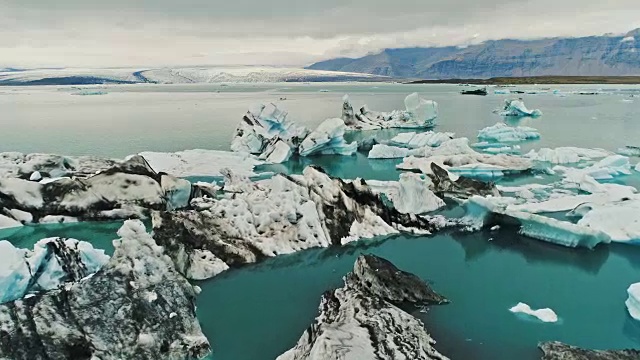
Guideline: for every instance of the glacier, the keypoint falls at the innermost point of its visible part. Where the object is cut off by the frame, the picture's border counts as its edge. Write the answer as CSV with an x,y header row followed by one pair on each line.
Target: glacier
x,y
51,263
418,113
516,107
545,315
503,133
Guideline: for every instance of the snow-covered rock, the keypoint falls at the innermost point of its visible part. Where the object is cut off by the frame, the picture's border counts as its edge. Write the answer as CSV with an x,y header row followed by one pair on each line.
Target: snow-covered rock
x,y
362,320
503,133
418,113
516,107
545,315
109,315
328,138
556,350
633,301
52,262
201,162
280,215
566,155
265,129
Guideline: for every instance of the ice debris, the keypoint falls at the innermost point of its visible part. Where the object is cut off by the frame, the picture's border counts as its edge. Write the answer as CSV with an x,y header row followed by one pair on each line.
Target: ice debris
x,y
418,113
633,301
545,315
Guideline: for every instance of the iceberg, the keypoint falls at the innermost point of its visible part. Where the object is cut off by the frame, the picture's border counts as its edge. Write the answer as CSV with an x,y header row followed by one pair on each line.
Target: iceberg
x,y
516,107
633,301
414,140
566,155
629,151
490,211
496,148
362,317
503,133
411,195
136,307
35,167
545,315
280,215
201,162
328,138
265,125
456,146
418,113
605,169
620,220
51,263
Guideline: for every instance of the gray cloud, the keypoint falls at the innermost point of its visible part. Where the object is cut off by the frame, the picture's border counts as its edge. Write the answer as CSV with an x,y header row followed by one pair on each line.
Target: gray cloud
x,y
174,32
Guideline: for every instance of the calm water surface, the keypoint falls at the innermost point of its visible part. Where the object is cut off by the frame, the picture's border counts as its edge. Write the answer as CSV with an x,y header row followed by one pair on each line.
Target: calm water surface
x,y
260,311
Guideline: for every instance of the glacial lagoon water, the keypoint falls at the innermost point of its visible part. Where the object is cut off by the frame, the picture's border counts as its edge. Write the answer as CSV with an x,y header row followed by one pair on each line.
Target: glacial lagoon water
x,y
260,311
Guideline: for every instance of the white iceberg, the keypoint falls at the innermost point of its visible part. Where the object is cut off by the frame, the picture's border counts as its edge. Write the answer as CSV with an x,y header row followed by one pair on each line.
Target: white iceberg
x,y
263,126
516,107
52,262
414,140
629,151
419,113
503,133
633,301
620,220
496,147
201,162
328,138
456,146
605,169
410,195
545,315
566,155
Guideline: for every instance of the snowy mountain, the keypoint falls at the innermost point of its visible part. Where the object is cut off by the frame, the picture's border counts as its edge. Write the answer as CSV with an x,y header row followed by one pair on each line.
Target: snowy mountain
x,y
593,55
175,76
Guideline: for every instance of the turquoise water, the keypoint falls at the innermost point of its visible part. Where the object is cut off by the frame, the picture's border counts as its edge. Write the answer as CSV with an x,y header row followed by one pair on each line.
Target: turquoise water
x,y
260,311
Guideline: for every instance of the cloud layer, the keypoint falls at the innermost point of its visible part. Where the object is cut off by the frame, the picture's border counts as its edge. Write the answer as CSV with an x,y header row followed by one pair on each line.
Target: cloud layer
x,y
90,33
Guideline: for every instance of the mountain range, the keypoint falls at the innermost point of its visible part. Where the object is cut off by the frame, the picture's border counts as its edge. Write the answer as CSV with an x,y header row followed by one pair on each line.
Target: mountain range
x,y
606,55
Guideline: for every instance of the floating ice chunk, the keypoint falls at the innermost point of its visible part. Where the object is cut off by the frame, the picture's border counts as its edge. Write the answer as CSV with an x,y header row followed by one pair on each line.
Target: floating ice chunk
x,y
479,210
414,140
383,151
176,191
35,176
52,262
501,132
607,168
629,151
502,91
516,107
479,171
201,162
411,195
277,153
469,163
7,222
419,113
497,148
633,301
328,138
620,220
545,315
566,155
452,147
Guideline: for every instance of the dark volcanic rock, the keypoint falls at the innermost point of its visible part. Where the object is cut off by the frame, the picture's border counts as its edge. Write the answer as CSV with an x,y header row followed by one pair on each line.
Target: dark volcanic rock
x,y
136,307
559,351
362,321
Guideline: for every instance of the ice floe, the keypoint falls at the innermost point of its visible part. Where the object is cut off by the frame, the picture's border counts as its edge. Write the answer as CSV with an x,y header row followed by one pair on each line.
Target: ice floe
x,y
412,140
545,315
418,113
629,151
516,107
410,195
503,133
567,155
633,301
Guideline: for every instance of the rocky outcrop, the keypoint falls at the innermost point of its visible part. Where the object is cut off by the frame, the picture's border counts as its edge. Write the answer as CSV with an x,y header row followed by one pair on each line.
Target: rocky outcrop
x,y
125,189
559,351
137,307
281,215
362,320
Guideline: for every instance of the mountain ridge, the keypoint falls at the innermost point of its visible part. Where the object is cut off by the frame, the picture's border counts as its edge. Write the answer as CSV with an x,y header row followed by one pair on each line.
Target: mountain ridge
x,y
582,56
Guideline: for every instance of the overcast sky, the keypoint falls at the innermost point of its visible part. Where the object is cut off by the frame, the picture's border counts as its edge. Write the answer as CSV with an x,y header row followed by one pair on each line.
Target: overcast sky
x,y
91,33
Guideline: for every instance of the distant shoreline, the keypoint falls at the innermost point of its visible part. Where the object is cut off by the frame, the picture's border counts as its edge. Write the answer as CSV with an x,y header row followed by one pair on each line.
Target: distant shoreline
x,y
532,80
